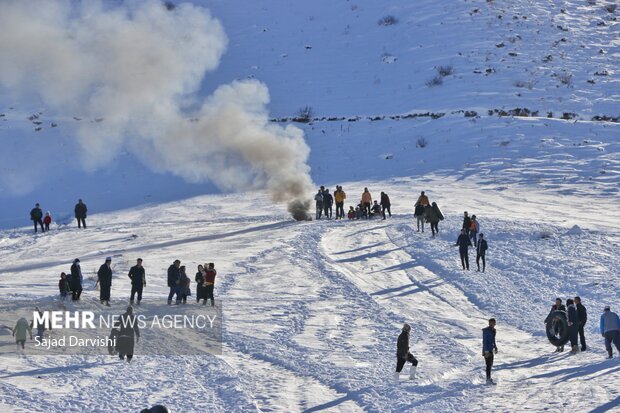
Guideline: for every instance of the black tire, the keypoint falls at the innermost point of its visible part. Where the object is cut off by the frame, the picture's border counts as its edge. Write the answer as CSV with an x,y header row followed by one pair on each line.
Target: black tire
x,y
557,328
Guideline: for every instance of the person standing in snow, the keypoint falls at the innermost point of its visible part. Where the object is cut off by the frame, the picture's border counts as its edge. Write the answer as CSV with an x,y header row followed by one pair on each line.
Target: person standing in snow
x,y
318,198
489,348
582,313
328,202
402,353
339,197
366,202
128,332
610,329
385,204
420,214
174,282
466,223
36,216
573,325
76,280
80,211
481,248
422,200
200,287
19,332
63,286
463,243
433,216
474,229
185,282
137,276
104,278
558,306
210,274
47,220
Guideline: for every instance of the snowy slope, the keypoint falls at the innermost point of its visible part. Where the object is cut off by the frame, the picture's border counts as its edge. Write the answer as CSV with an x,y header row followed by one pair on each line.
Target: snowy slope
x,y
312,310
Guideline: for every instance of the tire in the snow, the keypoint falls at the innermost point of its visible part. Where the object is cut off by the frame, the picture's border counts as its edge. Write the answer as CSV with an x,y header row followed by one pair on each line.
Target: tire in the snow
x,y
557,328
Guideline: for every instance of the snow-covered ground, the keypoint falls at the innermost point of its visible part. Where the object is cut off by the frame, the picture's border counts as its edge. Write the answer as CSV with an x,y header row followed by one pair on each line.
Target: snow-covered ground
x,y
312,310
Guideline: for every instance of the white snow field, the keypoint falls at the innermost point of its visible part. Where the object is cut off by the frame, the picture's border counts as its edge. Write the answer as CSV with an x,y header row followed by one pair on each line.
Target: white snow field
x,y
312,310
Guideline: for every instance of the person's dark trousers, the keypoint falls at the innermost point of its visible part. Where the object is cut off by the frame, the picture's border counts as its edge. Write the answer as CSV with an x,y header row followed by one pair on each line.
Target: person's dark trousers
x,y
104,292
400,362
367,209
122,357
582,336
209,294
328,211
612,337
484,262
75,294
136,289
435,227
81,222
489,363
464,258
47,227
174,291
319,211
572,334
383,209
40,222
473,235
339,210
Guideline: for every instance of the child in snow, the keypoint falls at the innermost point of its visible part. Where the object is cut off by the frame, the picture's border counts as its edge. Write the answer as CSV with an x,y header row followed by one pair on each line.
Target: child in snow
x,y
185,290
376,209
47,220
63,286
351,214
20,330
403,355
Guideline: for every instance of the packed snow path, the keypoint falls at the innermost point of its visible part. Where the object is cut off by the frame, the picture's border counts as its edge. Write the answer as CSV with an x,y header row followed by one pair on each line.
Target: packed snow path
x,y
312,310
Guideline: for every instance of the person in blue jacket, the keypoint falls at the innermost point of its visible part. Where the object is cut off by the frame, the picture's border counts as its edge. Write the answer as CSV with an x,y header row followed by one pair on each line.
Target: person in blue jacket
x,y
489,347
610,329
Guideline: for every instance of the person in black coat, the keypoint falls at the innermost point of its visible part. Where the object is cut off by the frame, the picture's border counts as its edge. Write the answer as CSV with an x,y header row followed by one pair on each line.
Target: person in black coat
x,y
174,281
76,280
200,287
138,280
36,216
573,324
402,353
466,222
104,277
80,213
481,249
583,318
464,243
385,204
328,202
128,331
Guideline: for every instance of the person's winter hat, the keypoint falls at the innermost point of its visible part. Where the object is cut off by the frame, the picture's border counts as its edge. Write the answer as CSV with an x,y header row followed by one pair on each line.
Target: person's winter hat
x,y
108,259
606,308
406,328
75,261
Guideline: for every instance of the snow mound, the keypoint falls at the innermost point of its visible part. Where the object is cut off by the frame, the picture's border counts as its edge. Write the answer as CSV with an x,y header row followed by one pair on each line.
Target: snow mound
x,y
575,230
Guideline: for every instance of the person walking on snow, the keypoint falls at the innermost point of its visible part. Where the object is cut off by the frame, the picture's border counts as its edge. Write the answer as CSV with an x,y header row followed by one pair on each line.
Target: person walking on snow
x,y
422,200
466,223
474,229
403,355
36,215
610,329
463,243
366,202
328,202
318,198
385,204
104,278
339,197
137,276
19,332
128,330
76,280
583,318
420,214
481,248
558,306
174,282
47,220
573,325
80,211
489,348
433,216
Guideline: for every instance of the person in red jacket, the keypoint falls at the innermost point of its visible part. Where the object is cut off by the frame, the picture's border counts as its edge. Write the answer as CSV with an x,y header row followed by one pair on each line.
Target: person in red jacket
x,y
210,274
47,221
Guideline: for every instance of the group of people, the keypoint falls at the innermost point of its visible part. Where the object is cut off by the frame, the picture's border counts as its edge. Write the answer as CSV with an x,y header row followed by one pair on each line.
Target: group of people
x,y
36,216
178,282
469,231
365,209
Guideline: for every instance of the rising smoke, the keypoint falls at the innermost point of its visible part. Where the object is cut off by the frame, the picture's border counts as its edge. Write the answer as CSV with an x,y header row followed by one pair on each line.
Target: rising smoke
x,y
136,68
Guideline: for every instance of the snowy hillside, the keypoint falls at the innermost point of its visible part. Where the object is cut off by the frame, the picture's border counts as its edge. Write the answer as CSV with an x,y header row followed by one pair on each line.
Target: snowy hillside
x,y
508,110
